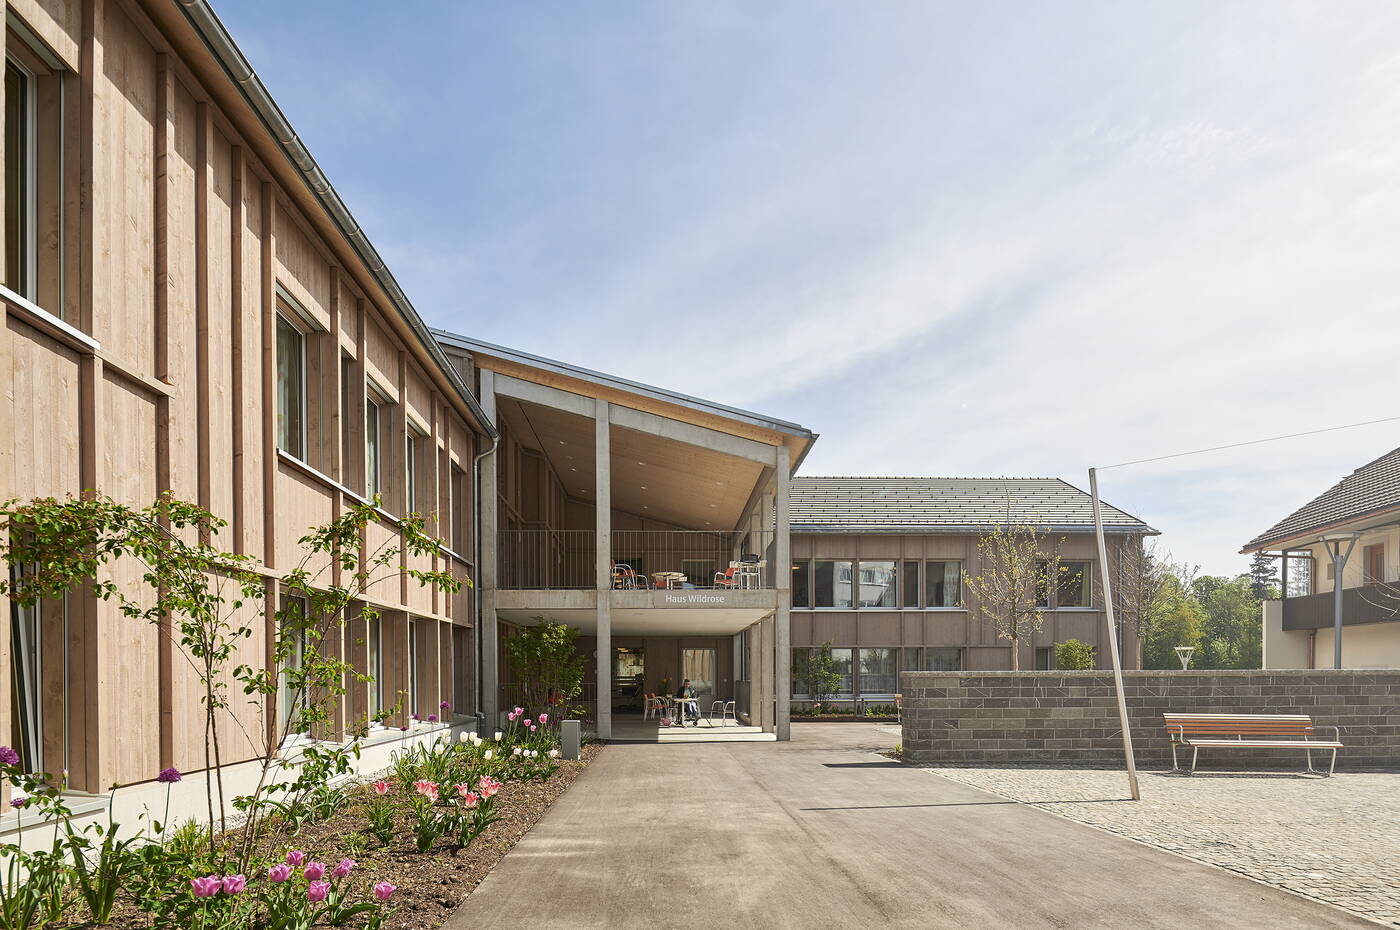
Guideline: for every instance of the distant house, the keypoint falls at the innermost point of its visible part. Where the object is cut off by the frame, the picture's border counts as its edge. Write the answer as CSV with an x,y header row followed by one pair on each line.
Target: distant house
x,y
878,566
1354,524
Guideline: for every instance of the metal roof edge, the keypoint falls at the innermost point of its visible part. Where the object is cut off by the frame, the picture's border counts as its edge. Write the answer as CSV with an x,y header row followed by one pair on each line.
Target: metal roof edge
x,y
962,529
636,387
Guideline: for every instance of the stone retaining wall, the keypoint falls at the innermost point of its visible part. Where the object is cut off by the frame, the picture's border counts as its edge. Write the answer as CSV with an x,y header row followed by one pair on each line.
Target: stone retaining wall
x,y
1044,717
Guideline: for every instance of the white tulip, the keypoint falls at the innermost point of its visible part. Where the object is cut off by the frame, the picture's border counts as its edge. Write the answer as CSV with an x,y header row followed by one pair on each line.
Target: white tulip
x,y
498,736
516,752
554,753
488,755
464,737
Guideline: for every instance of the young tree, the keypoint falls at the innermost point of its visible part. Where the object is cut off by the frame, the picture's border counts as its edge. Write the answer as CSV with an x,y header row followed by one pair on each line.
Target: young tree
x,y
1232,626
1142,590
1179,624
1016,574
815,671
545,661
1263,576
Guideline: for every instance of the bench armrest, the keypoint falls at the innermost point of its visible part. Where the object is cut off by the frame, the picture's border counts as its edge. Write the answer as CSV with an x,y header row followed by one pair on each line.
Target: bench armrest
x,y
1336,732
1179,736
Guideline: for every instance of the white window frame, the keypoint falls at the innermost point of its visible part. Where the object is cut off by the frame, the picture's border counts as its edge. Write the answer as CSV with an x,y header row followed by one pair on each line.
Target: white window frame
x,y
413,433
374,478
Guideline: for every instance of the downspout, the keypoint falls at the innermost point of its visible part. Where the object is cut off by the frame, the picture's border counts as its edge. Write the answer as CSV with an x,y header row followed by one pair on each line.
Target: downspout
x,y
476,552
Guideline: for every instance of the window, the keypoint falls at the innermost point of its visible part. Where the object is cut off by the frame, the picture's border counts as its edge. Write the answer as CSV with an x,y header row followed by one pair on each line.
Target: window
x,y
26,696
1044,658
291,389
374,666
413,438
373,484
832,584
877,584
841,659
629,668
1070,585
1375,564
943,659
944,584
801,584
461,511
910,585
461,669
878,670
19,180
292,645
911,659
701,572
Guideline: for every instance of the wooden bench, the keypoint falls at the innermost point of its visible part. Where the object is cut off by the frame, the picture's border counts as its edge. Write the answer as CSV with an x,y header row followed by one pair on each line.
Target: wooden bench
x,y
1248,731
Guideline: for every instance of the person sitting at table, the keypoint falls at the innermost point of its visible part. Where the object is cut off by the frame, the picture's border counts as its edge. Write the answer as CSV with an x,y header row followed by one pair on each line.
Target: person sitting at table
x,y
690,707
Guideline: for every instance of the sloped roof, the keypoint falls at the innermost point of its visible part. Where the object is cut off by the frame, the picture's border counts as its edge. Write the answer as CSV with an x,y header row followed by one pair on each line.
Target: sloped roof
x,y
947,505
1371,489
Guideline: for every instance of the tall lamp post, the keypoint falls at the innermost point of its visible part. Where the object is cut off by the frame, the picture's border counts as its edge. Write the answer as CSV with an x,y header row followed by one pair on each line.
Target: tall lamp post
x,y
1113,637
1333,542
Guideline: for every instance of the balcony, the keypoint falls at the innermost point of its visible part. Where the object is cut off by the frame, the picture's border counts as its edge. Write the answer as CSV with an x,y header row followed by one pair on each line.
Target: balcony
x,y
1371,603
682,559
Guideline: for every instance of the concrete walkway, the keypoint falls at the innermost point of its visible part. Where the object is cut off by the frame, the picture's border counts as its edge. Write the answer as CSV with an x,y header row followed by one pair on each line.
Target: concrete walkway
x,y
818,832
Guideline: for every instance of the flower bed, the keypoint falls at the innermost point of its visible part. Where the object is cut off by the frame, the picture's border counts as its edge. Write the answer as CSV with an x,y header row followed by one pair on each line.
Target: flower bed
x,y
401,852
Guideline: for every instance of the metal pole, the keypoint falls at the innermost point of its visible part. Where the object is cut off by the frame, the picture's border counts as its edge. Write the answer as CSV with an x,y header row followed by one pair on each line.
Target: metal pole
x,y
1113,637
1339,564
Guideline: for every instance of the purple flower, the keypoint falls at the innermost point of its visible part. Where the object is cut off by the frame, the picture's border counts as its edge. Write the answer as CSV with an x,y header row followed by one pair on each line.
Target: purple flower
x,y
432,718
343,868
8,756
234,884
296,857
206,887
169,776
18,801
317,891
445,705
416,717
315,871
279,873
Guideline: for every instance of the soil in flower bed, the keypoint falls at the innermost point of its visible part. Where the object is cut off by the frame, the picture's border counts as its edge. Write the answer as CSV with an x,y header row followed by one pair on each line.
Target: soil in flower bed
x,y
430,885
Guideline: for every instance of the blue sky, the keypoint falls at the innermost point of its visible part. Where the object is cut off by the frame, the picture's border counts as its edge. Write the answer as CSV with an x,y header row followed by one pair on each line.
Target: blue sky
x,y
954,239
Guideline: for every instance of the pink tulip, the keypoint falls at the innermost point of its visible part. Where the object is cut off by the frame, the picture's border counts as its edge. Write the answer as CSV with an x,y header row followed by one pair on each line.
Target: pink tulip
x,y
279,873
343,868
206,887
533,728
315,871
234,884
428,789
488,786
544,718
470,799
295,858
383,890
519,711
381,787
317,891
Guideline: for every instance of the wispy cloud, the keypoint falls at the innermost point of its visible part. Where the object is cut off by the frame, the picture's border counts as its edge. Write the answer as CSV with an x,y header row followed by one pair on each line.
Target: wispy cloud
x,y
1009,239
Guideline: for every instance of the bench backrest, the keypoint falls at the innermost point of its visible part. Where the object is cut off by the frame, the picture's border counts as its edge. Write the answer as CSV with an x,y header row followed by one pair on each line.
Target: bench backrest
x,y
1281,725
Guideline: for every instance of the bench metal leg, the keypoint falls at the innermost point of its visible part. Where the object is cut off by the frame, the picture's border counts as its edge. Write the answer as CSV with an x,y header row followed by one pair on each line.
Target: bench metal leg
x,y
1333,767
1311,771
1175,767
1195,751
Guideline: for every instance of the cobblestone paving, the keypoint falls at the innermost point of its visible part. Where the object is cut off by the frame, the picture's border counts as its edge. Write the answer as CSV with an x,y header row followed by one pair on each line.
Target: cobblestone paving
x,y
1335,840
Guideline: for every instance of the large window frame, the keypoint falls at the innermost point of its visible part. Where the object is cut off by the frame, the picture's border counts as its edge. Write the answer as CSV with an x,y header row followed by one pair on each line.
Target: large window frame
x,y
413,439
912,584
1048,590
291,338
375,405
21,225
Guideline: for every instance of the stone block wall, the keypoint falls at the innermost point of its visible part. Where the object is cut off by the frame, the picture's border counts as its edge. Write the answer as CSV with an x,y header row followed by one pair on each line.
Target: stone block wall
x,y
1072,717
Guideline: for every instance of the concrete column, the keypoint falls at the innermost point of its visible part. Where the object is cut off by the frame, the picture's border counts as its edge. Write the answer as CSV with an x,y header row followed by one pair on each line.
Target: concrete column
x,y
486,568
763,653
602,454
782,549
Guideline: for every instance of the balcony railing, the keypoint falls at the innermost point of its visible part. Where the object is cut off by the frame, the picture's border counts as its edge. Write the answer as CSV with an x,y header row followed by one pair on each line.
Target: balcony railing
x,y
565,559
1371,603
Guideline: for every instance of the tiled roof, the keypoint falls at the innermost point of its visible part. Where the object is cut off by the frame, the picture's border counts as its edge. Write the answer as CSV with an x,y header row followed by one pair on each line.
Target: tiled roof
x,y
947,505
1372,488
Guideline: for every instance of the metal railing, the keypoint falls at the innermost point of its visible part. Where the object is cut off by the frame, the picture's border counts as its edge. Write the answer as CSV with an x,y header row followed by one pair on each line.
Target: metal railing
x,y
565,559
1370,603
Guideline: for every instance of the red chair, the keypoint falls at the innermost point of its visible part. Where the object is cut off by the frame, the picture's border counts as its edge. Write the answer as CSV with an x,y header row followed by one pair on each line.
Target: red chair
x,y
729,578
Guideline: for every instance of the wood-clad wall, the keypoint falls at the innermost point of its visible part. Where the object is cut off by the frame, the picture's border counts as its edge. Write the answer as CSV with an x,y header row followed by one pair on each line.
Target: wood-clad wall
x,y
182,238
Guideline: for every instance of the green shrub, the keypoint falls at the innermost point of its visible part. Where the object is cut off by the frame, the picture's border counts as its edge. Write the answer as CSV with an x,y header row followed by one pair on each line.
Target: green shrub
x,y
1074,655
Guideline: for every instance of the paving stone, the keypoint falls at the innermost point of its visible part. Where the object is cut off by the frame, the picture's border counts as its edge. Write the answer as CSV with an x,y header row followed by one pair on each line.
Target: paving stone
x,y
1333,839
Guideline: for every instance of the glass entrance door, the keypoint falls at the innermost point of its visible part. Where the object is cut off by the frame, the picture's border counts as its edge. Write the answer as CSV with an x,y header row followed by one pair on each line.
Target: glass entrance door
x,y
699,666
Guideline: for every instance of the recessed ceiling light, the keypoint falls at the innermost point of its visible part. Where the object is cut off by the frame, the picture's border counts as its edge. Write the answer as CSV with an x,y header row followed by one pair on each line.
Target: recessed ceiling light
x,y
645,507
713,506
573,469
562,443
644,487
707,523
641,463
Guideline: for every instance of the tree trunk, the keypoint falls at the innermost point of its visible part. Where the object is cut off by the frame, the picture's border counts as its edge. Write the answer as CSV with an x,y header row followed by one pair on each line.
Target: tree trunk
x,y
1015,654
